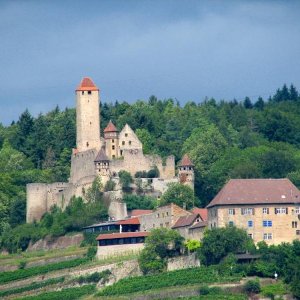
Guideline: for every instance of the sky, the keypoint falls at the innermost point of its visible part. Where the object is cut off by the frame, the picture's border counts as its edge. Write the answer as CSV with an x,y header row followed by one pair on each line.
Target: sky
x,y
181,49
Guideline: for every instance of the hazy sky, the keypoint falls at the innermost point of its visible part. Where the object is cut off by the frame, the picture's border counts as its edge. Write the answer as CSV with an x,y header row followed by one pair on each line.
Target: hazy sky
x,y
135,48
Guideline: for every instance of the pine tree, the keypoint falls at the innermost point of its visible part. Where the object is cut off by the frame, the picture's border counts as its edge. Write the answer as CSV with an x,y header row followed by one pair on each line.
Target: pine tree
x,y
259,104
247,103
294,95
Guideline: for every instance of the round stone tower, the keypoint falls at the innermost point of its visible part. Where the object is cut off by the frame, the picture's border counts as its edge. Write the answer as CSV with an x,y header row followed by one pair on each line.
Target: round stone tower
x,y
87,116
186,172
111,136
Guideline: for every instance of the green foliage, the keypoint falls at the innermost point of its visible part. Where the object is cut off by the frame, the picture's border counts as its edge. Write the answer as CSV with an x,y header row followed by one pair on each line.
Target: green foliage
x,y
192,245
166,279
125,180
32,286
219,242
161,244
152,173
274,289
66,294
91,253
29,272
139,202
252,287
182,195
94,277
109,186
22,264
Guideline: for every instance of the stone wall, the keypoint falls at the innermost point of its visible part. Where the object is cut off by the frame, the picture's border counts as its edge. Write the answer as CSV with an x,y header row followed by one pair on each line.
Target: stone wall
x,y
82,165
134,160
116,250
183,262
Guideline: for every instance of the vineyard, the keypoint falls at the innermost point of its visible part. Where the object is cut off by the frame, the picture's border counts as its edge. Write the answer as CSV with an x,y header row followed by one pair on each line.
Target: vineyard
x,y
168,279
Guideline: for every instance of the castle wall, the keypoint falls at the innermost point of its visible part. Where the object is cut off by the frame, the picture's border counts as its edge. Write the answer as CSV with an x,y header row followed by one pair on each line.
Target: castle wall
x,y
134,160
128,140
36,201
82,165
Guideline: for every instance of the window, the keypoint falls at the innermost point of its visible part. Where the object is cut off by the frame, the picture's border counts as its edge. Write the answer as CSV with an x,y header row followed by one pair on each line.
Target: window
x,y
89,92
268,236
297,232
230,224
129,142
250,235
113,156
126,134
297,210
250,223
265,210
113,147
112,140
231,211
82,92
167,213
267,223
123,143
294,224
281,210
247,211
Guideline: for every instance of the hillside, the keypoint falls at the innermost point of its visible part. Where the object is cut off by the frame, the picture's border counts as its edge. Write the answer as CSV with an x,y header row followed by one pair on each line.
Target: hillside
x,y
224,140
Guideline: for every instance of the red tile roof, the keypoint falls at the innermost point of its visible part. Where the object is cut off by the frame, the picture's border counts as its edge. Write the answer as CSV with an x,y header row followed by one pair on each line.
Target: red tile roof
x,y
257,191
186,161
110,127
139,212
201,211
131,221
186,221
110,236
87,84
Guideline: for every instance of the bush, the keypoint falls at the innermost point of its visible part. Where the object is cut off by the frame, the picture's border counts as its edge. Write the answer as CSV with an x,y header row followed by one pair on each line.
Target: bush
x,y
125,180
252,287
22,264
91,253
109,186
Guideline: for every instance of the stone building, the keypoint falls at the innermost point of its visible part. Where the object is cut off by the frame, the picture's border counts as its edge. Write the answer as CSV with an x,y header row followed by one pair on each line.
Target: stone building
x,y
164,216
268,209
104,157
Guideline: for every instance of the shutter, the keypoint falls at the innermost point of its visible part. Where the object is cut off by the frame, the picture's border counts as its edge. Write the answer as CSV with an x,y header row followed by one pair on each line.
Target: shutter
x,y
275,211
253,211
287,211
267,210
233,211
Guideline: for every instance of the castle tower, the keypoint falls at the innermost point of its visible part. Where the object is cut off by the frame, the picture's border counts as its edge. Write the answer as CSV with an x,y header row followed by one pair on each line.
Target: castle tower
x,y
87,116
111,136
102,166
186,172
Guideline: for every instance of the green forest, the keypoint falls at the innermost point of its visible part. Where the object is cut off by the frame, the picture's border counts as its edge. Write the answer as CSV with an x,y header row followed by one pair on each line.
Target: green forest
x,y
225,139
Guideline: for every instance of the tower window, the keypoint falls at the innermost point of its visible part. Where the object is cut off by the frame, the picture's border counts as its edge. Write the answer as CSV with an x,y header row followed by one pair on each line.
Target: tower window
x,y
89,92
90,123
126,134
87,144
113,147
123,142
82,92
112,140
129,142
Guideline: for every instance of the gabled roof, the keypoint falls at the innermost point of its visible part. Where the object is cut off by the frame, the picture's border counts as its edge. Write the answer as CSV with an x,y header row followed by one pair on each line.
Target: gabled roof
x,y
87,84
201,211
101,156
185,221
111,236
110,127
130,221
139,212
199,225
185,161
257,191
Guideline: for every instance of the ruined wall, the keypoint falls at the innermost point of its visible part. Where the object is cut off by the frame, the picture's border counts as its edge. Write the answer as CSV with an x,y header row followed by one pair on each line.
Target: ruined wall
x,y
82,165
36,201
161,185
134,160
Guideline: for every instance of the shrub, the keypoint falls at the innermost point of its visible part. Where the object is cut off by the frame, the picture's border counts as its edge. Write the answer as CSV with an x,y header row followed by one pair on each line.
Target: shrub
x,y
91,253
22,264
109,186
252,287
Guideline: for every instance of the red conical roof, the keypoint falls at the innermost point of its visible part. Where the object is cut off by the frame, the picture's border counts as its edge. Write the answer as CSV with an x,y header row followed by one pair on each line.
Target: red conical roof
x,y
110,127
186,161
87,84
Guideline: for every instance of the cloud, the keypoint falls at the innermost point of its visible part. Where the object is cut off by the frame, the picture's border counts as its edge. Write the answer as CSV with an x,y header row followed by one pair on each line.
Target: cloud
x,y
181,49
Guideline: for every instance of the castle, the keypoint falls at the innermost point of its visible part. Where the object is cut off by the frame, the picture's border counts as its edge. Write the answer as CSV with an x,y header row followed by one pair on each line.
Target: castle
x,y
104,157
